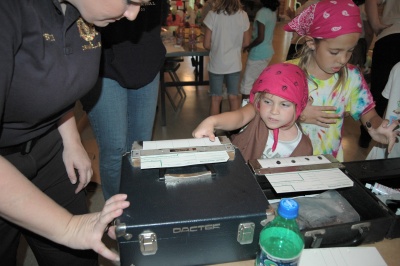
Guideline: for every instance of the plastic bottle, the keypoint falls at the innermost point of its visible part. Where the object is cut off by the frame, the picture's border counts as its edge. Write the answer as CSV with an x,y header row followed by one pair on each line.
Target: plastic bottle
x,y
192,39
180,34
281,241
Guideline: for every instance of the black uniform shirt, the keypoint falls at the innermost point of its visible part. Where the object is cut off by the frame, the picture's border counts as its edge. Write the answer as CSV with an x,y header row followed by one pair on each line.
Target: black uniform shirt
x,y
47,62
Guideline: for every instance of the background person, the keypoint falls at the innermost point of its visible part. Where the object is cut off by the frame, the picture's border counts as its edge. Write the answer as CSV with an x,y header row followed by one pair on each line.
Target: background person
x,y
122,106
227,32
386,52
260,49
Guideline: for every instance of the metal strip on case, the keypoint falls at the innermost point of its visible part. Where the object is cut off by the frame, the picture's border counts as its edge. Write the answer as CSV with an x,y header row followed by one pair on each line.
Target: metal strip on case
x,y
257,168
137,150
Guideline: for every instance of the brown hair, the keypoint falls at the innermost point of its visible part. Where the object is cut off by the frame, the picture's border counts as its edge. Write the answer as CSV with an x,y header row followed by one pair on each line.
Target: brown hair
x,y
229,7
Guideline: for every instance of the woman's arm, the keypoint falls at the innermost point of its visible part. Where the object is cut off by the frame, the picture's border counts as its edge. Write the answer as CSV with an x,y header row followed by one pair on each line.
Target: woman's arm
x,y
25,205
207,39
74,154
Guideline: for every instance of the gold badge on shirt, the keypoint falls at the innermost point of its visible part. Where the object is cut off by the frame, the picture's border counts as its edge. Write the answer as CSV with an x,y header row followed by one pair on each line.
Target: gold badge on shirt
x,y
88,33
49,37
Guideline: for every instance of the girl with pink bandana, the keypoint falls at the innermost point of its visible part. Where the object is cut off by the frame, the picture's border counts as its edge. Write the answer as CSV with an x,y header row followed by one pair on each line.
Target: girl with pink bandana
x,y
277,98
331,30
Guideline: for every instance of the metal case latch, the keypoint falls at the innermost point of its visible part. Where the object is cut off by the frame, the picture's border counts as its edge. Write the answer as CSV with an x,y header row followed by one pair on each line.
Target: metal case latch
x,y
148,243
245,233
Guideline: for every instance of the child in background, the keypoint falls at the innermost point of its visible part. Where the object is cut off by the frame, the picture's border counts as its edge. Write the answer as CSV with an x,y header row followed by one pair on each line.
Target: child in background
x,y
331,30
277,99
260,49
227,32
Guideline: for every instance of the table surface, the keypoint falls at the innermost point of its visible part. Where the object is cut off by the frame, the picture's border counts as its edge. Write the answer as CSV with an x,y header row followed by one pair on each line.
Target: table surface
x,y
184,50
388,248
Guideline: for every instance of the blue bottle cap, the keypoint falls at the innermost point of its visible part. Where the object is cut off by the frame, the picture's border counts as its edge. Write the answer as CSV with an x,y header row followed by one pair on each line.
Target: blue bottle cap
x,y
288,208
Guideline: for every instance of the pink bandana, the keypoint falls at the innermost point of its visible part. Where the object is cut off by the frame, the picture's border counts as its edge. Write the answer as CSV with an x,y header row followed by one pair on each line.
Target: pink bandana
x,y
327,19
284,80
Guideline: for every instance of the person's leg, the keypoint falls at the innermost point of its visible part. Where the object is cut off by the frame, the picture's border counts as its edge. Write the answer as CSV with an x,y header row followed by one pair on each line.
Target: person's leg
x,y
216,83
232,84
108,118
251,73
44,166
142,105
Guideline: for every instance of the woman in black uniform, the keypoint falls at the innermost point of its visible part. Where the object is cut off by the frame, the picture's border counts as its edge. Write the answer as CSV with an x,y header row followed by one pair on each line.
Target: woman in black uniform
x,y
49,58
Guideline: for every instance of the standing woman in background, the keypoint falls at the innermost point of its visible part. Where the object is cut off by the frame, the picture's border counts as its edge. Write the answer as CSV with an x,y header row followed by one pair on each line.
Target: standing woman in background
x,y
260,49
227,32
122,105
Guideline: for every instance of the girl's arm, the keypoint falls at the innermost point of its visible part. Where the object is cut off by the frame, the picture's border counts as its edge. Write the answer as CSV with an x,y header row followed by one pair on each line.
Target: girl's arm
x,y
379,129
225,121
207,39
25,205
259,39
246,38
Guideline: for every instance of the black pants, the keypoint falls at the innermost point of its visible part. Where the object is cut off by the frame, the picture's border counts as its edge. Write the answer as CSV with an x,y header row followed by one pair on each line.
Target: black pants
x,y
44,166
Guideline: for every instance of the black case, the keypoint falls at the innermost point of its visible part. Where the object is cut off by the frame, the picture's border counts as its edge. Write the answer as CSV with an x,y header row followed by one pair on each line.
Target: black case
x,y
375,219
194,222
383,171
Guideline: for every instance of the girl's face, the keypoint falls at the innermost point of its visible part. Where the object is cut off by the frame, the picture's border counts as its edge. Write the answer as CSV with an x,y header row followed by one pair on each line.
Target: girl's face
x,y
330,55
103,12
277,112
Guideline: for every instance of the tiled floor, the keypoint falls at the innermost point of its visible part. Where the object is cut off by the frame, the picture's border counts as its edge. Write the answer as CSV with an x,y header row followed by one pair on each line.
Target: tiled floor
x,y
180,124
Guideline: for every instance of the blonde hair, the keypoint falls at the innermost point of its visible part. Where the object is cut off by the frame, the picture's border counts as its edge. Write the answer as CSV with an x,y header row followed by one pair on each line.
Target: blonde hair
x,y
229,7
305,55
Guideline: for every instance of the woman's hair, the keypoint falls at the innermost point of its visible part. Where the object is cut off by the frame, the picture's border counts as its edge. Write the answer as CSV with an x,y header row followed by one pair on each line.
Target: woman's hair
x,y
229,7
305,55
271,4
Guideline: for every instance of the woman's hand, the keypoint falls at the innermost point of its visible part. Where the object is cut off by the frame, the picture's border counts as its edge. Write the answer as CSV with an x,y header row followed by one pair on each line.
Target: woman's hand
x,y
78,164
86,231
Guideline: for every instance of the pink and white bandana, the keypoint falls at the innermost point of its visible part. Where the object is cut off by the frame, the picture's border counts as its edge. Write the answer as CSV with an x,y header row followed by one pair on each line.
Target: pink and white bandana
x,y
327,19
287,81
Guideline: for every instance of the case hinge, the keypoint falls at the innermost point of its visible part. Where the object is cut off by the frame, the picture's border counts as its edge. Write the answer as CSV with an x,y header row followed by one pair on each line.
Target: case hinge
x,y
148,243
245,233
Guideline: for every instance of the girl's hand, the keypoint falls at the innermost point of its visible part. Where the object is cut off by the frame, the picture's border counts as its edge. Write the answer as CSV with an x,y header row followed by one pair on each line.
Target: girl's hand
x,y
204,129
319,115
385,133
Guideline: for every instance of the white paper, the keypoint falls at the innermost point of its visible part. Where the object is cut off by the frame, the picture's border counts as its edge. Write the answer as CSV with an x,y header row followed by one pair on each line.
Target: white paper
x,y
172,48
309,180
346,256
181,158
